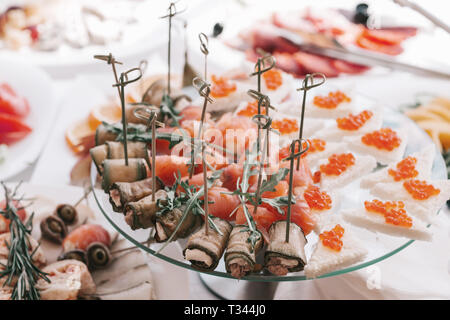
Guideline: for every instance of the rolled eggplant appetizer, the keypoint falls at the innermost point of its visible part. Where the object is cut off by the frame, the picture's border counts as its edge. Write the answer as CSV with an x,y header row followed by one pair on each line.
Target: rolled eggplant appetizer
x,y
115,170
167,222
282,257
205,250
102,135
135,150
240,256
121,193
142,214
98,155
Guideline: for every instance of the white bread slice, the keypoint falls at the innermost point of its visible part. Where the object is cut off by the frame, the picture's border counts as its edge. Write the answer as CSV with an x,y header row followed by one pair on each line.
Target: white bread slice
x,y
362,166
425,210
383,156
424,165
282,93
334,133
322,216
330,148
341,110
230,102
376,222
324,259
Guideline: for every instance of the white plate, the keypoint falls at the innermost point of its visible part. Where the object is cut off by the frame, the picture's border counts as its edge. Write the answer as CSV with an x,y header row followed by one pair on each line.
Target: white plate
x,y
169,281
36,86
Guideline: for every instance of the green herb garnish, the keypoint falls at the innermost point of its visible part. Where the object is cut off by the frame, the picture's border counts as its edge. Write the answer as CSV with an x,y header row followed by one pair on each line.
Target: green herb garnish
x,y
20,266
168,111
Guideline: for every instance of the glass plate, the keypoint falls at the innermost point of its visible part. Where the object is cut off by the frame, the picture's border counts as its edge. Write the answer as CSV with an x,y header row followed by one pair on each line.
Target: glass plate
x,y
379,246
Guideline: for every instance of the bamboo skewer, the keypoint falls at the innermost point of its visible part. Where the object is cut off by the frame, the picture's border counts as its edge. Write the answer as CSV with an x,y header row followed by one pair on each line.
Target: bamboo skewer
x,y
172,11
305,87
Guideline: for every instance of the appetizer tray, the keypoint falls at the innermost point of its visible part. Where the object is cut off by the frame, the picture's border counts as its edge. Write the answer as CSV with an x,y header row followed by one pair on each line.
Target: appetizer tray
x,y
380,246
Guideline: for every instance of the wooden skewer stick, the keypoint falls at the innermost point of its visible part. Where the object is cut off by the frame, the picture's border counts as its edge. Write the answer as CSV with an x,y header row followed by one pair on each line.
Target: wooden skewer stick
x,y
292,158
123,82
205,184
204,90
172,11
112,61
265,62
305,87
149,114
153,168
263,100
257,118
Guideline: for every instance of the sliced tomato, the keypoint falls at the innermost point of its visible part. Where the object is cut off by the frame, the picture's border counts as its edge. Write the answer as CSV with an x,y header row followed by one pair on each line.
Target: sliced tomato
x,y
162,145
348,67
84,235
281,189
263,217
390,49
221,204
388,35
12,129
315,63
11,103
301,177
168,168
301,215
4,222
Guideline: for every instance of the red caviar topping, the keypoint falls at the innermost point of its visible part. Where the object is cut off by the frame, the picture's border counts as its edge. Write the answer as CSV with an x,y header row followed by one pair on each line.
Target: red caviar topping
x,y
221,87
273,79
251,109
406,169
285,126
332,238
393,212
315,145
337,164
332,100
420,190
316,199
317,176
385,138
354,122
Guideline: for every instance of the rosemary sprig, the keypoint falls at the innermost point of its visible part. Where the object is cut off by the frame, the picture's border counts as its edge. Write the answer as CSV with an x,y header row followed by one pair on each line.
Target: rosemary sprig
x,y
20,264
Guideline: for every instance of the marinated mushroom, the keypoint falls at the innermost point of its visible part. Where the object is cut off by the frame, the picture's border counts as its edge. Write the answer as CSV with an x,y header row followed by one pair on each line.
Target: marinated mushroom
x,y
67,213
53,229
75,254
98,255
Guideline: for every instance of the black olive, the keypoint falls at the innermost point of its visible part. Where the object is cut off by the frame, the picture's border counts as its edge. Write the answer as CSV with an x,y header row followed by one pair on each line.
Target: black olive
x,y
218,29
361,14
98,255
75,254
67,213
53,229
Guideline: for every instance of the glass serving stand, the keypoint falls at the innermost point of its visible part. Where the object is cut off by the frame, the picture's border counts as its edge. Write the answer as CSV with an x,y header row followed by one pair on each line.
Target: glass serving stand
x,y
262,285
